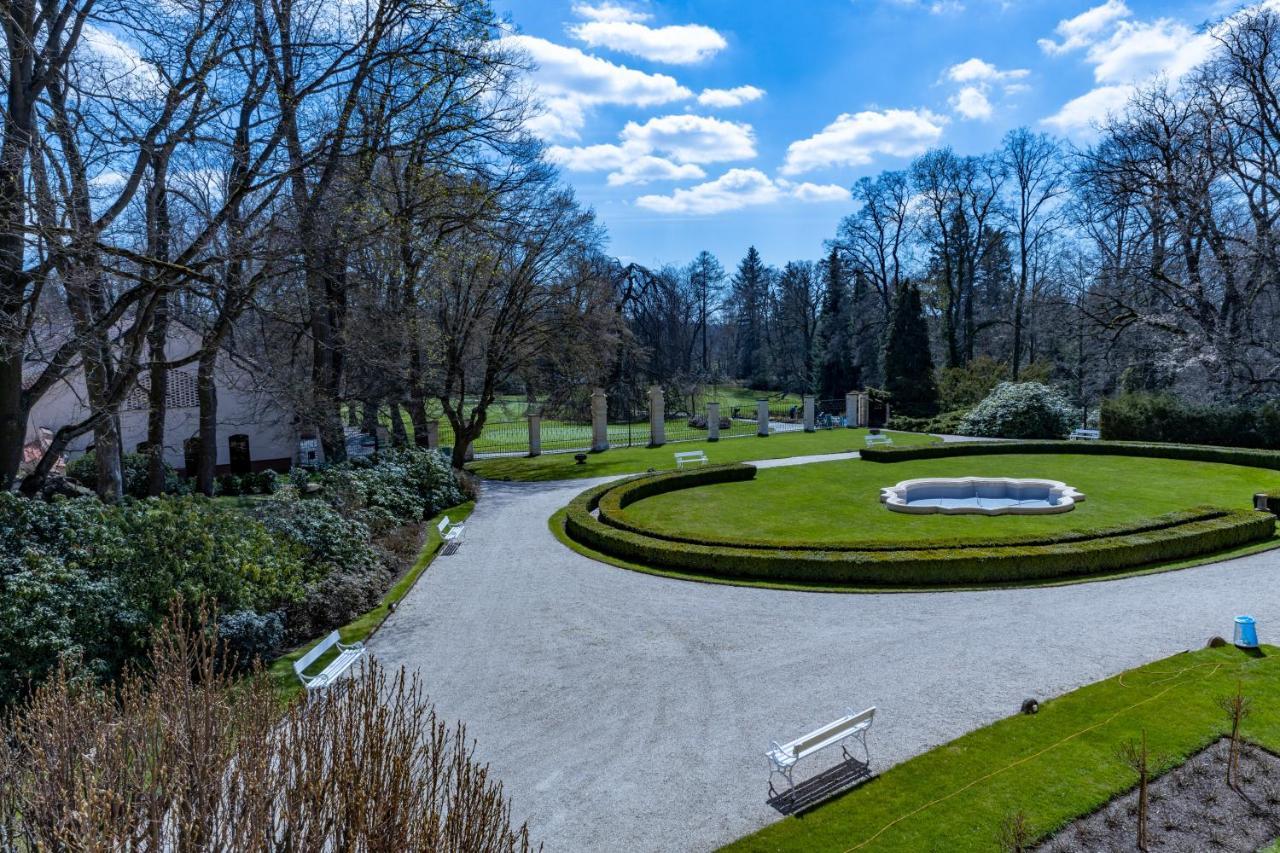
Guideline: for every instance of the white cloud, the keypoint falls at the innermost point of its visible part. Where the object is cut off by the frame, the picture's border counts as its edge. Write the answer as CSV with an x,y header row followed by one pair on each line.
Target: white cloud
x,y
977,78
738,188
854,139
570,82
820,192
683,44
1124,53
735,97
692,139
666,148
972,102
1082,112
609,12
647,168
589,158
1081,30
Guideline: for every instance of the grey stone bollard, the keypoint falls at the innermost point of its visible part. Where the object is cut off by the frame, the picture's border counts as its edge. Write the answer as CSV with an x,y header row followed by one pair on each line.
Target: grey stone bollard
x,y
535,435
433,434
809,424
599,421
851,409
762,418
713,421
657,416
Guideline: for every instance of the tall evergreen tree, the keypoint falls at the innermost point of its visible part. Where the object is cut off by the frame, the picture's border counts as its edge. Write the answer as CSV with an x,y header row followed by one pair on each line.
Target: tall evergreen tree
x,y
750,297
908,364
833,351
706,280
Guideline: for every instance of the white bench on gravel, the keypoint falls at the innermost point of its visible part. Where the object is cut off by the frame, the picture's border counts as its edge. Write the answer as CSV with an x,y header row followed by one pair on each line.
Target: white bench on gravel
x,y
1085,435
783,757
451,534
347,657
878,440
690,457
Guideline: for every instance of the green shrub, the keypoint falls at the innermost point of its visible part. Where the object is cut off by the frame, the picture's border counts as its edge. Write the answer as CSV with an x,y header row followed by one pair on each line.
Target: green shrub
x,y
249,637
1164,417
1020,410
84,581
84,470
409,485
947,423
965,386
1268,459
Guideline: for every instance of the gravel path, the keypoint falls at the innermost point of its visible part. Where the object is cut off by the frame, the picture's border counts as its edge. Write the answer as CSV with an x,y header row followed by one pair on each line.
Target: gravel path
x,y
629,712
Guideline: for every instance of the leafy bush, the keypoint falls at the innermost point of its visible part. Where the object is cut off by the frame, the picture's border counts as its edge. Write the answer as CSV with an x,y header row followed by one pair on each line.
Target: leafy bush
x,y
84,470
351,573
83,580
947,423
1164,417
1020,410
250,637
702,422
410,485
965,386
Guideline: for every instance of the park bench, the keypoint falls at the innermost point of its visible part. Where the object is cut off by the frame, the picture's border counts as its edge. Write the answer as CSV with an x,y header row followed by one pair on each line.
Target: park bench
x,y
783,757
451,534
347,656
1085,435
689,457
874,440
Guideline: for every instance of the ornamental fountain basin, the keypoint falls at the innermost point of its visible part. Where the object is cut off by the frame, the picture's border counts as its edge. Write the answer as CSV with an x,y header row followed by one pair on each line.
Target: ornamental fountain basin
x,y
980,496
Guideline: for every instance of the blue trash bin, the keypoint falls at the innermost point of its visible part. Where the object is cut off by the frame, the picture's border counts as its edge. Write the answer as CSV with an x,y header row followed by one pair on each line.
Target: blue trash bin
x,y
1246,632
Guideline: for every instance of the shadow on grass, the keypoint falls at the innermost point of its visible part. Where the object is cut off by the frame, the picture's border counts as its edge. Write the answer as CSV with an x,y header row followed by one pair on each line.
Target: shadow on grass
x,y
816,790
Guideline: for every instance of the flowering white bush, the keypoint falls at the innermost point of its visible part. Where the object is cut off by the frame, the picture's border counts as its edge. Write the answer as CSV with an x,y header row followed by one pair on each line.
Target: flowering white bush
x,y
1020,410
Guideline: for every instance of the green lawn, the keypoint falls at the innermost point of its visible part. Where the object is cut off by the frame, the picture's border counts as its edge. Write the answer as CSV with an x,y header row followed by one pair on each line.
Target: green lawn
x,y
1053,766
283,678
637,460
840,501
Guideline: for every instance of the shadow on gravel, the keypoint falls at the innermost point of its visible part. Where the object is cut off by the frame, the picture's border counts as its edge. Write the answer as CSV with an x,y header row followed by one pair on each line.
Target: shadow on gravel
x,y
818,789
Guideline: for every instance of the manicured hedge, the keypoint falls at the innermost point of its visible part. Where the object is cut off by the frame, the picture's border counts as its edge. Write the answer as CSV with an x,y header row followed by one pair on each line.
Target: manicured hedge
x,y
922,567
1189,452
621,495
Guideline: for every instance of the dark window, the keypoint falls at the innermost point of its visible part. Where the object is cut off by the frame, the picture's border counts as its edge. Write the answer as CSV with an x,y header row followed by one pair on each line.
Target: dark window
x,y
191,455
239,446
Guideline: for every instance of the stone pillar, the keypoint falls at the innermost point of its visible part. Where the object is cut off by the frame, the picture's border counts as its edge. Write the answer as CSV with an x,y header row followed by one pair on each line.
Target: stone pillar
x,y
851,409
864,410
535,435
433,434
809,425
887,414
762,418
599,421
713,421
657,417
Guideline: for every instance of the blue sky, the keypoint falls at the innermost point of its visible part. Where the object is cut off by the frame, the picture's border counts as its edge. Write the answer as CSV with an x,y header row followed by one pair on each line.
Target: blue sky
x,y
716,124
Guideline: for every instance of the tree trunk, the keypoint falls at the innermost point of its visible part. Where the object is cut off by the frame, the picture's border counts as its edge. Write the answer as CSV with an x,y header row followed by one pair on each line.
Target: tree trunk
x,y
207,396
157,399
399,438
13,415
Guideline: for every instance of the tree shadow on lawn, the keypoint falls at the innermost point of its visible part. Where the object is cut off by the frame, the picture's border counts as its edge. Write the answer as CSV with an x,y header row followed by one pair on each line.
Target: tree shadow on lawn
x,y
816,790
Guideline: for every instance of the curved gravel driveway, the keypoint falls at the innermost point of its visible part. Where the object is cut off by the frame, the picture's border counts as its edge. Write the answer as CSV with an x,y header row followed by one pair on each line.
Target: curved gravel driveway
x,y
624,711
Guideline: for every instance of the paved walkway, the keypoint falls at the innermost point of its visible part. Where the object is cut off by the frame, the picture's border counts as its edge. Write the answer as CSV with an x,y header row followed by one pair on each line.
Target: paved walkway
x,y
630,712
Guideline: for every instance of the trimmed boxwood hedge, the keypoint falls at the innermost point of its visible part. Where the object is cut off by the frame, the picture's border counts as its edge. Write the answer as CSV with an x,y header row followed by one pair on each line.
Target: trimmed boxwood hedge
x,y
1188,452
1174,536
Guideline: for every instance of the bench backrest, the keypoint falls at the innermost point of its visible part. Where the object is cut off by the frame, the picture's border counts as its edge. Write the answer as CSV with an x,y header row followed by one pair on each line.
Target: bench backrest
x,y
841,727
691,454
301,664
443,525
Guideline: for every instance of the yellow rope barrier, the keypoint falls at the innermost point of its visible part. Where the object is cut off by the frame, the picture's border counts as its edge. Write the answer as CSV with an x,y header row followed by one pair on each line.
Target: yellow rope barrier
x,y
1121,680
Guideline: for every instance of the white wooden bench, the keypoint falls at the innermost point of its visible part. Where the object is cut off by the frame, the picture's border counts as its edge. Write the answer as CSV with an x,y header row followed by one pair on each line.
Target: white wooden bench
x,y
783,757
347,656
689,457
874,440
451,534
1085,435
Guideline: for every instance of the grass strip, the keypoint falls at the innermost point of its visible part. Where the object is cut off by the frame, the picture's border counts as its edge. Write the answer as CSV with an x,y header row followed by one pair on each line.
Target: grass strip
x,y
1053,767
